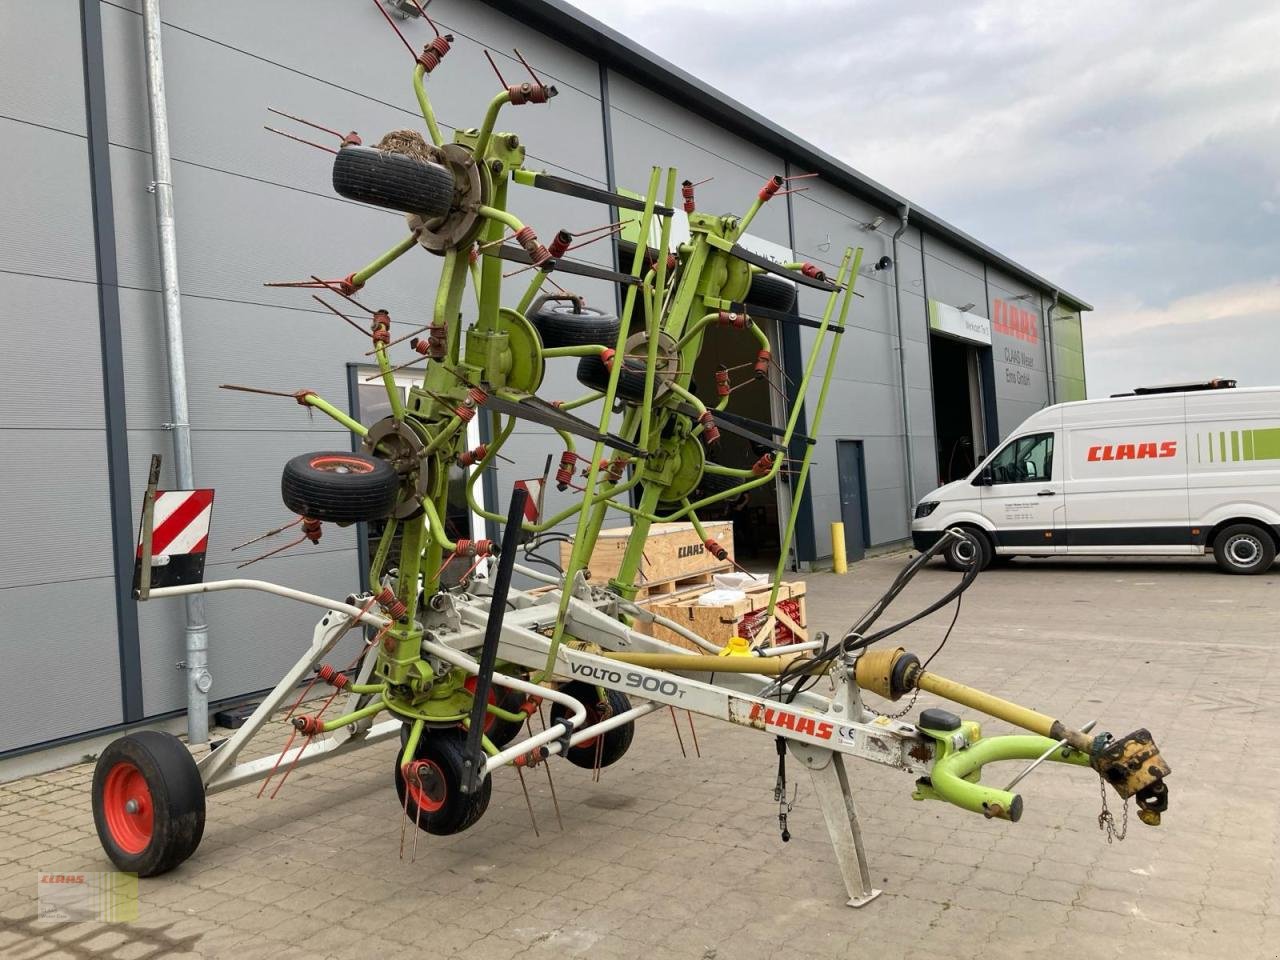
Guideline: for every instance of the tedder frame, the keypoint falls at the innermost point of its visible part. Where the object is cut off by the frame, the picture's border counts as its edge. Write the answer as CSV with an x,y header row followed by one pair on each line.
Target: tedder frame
x,y
454,670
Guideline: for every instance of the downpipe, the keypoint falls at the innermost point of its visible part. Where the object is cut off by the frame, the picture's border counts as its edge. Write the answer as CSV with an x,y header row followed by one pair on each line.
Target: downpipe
x,y
196,664
904,214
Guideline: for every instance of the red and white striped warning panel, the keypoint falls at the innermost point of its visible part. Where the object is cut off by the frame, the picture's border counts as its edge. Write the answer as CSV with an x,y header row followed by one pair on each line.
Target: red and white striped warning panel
x,y
179,538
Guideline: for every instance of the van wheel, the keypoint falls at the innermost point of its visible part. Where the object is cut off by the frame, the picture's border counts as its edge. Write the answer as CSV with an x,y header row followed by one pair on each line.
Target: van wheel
x,y
969,548
1243,548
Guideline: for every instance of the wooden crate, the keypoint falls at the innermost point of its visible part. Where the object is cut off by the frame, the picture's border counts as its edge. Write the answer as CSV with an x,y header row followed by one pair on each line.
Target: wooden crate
x,y
673,554
722,622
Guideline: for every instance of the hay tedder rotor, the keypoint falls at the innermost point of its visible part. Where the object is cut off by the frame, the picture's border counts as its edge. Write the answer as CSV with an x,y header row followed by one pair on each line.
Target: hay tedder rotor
x,y
454,672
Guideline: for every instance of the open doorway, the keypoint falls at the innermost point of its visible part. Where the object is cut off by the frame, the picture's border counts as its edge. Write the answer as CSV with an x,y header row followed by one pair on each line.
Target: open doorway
x,y
957,406
754,514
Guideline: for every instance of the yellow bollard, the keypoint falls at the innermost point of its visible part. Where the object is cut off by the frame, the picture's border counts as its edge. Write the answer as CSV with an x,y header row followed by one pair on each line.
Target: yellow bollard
x,y
839,562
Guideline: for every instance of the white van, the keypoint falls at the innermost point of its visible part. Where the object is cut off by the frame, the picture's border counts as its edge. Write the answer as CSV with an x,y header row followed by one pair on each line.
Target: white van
x,y
1165,471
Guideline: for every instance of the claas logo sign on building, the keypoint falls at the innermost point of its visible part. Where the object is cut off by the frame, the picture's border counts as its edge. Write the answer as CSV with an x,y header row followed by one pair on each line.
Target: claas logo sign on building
x,y
1013,321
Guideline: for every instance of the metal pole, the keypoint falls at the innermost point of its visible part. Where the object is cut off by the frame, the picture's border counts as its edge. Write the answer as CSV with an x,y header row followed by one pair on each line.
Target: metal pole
x,y
904,214
197,633
1051,373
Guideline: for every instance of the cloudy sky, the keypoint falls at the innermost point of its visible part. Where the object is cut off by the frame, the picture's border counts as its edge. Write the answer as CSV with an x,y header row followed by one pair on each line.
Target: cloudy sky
x,y
1129,151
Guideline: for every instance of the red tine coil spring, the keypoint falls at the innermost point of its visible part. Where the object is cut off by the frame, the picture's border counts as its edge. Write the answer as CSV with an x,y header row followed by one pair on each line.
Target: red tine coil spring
x,y
762,365
771,187
606,357
560,244
311,529
564,475
381,327
715,549
686,191
393,605
763,465
538,254
309,725
522,93
434,52
333,677
477,395
736,320
722,383
809,270
469,457
465,412
710,432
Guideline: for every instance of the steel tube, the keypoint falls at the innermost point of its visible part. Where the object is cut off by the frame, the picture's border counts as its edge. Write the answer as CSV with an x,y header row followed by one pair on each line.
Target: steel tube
x,y
199,680
904,214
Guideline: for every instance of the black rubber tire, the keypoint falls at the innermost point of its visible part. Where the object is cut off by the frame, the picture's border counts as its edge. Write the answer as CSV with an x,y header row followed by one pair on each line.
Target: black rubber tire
x,y
567,325
616,741
393,181
339,487
771,292
1244,549
501,732
593,374
456,811
959,555
155,770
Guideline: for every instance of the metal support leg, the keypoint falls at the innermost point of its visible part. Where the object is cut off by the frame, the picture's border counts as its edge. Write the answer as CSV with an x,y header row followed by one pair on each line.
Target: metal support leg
x,y
831,783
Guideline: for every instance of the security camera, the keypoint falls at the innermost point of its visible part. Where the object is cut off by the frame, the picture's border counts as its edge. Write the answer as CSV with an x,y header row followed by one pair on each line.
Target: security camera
x,y
884,263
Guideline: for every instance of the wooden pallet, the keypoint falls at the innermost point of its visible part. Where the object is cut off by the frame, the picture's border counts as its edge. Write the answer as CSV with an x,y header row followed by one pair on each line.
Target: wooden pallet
x,y
696,582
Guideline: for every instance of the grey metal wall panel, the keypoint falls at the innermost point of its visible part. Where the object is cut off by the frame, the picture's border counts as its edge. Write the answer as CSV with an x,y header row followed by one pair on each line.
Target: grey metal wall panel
x,y
32,34
61,673
55,526
952,277
50,389
890,521
45,197
648,130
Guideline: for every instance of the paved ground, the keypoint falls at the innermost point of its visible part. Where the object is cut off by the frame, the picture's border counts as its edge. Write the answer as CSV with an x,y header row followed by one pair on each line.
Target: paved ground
x,y
673,857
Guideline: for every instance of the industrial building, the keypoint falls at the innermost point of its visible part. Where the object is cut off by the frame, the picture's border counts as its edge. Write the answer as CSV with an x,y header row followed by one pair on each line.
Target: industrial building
x,y
950,346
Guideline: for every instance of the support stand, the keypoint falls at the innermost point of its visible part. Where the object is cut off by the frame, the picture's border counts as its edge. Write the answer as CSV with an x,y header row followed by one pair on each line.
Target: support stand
x,y
831,783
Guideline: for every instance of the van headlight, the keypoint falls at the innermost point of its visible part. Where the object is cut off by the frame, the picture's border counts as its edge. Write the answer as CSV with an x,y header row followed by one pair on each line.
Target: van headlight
x,y
925,507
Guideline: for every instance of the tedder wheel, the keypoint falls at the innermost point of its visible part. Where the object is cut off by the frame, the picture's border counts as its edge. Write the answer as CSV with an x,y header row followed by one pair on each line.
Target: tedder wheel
x,y
971,547
393,180
339,487
500,732
616,742
148,802
1243,548
573,325
433,798
593,374
771,292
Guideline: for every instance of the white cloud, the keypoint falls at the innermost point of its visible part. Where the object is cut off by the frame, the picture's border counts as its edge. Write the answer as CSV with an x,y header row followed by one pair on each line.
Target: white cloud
x,y
1223,305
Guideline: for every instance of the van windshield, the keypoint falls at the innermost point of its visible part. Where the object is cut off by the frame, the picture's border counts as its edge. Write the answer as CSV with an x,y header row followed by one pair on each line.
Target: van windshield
x,y
1026,459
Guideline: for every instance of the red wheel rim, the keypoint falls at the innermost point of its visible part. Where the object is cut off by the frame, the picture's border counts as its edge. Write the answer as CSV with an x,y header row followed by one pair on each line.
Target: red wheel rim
x,y
425,785
127,807
336,463
593,717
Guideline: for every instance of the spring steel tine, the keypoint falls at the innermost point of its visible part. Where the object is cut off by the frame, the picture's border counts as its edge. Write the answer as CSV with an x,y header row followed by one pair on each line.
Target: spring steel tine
x,y
697,751
417,823
269,533
269,393
386,16
316,126
337,313
520,57
528,803
404,821
495,68
288,743
305,743
378,375
272,553
309,143
408,336
555,801
423,10
331,285
675,723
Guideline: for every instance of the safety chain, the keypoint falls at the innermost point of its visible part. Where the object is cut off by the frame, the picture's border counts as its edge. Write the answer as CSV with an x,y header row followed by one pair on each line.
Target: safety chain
x,y
1106,821
915,694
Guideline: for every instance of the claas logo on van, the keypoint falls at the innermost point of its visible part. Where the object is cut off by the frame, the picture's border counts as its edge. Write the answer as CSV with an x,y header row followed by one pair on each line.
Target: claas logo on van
x,y
1134,451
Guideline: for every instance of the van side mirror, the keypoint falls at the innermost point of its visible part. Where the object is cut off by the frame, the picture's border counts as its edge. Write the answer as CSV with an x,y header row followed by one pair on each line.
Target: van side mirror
x,y
984,478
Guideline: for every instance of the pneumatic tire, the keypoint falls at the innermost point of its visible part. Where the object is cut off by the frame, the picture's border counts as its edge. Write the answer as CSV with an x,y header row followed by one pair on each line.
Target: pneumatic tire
x,y
593,374
771,292
339,487
436,802
393,180
605,748
573,325
1244,549
148,802
972,547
